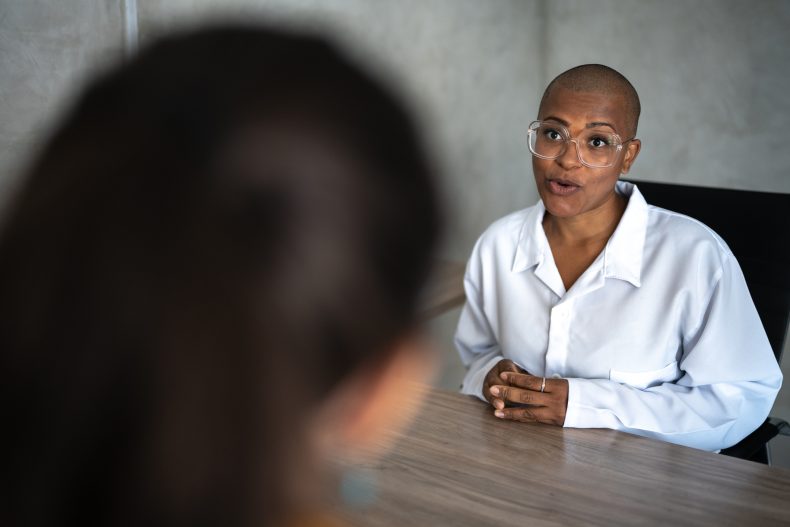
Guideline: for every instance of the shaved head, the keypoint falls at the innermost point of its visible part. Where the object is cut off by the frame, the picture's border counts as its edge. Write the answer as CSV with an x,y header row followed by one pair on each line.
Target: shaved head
x,y
597,78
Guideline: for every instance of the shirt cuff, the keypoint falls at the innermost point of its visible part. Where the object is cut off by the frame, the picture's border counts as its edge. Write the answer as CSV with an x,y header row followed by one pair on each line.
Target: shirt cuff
x,y
572,411
581,415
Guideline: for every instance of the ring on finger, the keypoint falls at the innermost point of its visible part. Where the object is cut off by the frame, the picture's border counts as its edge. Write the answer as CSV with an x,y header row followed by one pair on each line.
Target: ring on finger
x,y
543,385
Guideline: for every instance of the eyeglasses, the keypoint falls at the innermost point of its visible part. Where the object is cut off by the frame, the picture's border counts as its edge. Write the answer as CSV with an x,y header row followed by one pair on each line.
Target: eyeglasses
x,y
595,148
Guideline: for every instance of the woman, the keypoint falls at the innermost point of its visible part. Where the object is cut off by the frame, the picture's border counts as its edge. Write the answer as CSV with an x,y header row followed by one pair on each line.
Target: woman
x,y
208,286
594,309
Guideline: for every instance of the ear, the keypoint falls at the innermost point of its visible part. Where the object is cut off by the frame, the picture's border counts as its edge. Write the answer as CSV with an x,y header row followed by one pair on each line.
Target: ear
x,y
631,151
362,416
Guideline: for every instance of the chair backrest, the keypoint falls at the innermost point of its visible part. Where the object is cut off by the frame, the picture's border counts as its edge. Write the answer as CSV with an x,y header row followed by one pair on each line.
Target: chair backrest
x,y
756,227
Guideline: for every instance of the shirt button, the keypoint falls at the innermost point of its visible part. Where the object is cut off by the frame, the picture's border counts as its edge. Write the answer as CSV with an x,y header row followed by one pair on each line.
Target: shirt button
x,y
556,376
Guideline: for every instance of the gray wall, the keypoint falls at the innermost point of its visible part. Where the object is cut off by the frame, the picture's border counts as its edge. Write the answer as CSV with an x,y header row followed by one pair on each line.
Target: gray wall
x,y
465,65
712,75
47,49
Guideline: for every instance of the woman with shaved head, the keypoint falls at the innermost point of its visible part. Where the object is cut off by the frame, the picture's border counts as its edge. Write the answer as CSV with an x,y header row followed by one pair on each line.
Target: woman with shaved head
x,y
593,309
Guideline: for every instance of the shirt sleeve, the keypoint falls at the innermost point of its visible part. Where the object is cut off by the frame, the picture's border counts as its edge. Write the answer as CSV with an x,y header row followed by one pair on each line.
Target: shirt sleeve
x,y
729,380
474,338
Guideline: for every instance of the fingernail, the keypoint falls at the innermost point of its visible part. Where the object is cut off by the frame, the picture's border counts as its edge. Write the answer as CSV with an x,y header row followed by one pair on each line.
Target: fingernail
x,y
503,376
495,390
499,413
499,404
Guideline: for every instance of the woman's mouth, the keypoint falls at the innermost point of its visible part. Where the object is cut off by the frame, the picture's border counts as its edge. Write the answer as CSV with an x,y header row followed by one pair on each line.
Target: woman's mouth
x,y
562,187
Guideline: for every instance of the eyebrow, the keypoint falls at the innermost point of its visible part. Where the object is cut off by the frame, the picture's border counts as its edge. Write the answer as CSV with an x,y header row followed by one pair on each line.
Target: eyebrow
x,y
593,124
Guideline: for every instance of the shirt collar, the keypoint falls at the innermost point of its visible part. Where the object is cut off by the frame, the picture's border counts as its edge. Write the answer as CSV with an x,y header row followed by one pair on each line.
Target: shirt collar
x,y
623,252
532,242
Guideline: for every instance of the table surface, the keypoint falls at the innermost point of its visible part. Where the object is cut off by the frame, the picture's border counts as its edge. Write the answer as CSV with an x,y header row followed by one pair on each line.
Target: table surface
x,y
459,465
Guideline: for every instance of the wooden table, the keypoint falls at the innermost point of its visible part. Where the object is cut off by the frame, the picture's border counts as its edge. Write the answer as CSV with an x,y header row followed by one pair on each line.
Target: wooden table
x,y
458,465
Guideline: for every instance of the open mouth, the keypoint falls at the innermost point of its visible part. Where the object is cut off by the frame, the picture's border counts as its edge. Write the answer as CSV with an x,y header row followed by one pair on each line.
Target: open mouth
x,y
562,187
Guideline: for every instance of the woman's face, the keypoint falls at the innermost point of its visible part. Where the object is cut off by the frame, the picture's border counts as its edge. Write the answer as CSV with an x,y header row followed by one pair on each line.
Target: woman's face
x,y
567,187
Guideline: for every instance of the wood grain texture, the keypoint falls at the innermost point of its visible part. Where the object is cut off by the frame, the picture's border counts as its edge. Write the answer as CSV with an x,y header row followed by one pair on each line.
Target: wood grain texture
x,y
459,465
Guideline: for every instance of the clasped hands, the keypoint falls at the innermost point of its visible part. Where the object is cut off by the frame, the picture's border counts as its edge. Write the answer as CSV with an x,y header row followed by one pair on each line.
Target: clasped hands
x,y
507,385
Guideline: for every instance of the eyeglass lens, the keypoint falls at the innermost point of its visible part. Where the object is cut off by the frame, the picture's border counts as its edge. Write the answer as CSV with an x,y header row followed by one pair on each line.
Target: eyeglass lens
x,y
595,148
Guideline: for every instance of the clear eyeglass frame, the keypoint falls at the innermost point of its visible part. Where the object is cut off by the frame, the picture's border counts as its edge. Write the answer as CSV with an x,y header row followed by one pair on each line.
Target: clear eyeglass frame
x,y
532,138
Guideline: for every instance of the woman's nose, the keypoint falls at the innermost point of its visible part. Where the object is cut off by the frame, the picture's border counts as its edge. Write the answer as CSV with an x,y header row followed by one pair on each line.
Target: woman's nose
x,y
570,157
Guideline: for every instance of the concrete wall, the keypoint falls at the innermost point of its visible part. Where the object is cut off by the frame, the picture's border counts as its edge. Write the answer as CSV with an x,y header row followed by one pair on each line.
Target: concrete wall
x,y
47,49
712,76
712,79
467,66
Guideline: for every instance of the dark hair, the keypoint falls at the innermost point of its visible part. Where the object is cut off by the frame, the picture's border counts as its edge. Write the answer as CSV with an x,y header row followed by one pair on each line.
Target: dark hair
x,y
598,78
218,233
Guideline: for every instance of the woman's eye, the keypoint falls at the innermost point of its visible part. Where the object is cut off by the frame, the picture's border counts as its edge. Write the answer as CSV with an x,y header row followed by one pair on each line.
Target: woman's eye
x,y
554,135
599,142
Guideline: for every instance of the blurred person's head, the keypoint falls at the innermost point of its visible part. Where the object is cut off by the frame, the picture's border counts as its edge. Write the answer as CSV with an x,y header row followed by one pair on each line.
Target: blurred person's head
x,y
208,279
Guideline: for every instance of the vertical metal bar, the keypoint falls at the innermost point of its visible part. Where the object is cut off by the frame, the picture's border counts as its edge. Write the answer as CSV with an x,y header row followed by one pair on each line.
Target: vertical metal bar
x,y
130,29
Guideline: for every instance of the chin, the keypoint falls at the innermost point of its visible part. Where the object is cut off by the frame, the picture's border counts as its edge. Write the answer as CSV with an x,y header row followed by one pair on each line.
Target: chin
x,y
559,207
562,212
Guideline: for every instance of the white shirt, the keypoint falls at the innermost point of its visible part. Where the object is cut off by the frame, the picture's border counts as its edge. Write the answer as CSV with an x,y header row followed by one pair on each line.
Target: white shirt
x,y
659,337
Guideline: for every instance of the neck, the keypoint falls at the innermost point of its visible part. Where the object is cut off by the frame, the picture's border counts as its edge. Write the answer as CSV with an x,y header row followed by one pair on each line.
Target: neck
x,y
591,227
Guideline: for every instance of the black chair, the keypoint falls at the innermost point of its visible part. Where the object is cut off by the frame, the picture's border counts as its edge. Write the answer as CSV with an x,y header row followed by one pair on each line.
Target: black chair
x,y
756,227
